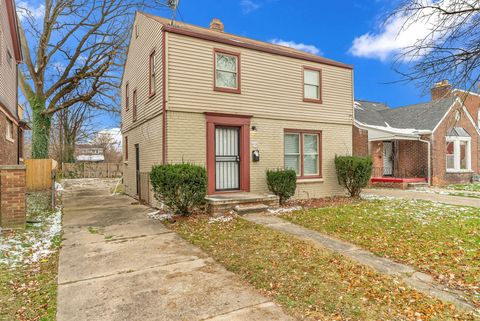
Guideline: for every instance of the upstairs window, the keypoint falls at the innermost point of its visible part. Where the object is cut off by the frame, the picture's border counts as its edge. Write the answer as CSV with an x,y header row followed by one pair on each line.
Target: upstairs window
x,y
312,91
134,111
227,71
152,76
127,97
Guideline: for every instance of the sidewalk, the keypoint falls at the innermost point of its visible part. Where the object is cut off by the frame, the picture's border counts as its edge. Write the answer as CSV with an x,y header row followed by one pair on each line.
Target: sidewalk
x,y
423,195
116,264
419,281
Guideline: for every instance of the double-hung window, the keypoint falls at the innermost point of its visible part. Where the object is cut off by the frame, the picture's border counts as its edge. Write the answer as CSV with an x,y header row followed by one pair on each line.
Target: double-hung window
x,y
227,71
152,75
127,97
458,154
302,153
312,88
9,130
134,108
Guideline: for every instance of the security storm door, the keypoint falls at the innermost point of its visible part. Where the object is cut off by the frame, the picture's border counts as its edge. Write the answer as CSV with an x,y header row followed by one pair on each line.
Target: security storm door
x,y
388,159
227,158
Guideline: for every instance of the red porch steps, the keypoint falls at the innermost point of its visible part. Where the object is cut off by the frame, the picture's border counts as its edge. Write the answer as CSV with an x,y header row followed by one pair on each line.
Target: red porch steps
x,y
402,183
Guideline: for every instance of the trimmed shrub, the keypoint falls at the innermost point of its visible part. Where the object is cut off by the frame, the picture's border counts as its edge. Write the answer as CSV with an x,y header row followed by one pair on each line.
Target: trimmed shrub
x,y
353,173
282,182
180,187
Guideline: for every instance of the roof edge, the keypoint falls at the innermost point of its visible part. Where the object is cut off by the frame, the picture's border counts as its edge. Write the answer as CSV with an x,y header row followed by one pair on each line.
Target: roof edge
x,y
13,22
211,37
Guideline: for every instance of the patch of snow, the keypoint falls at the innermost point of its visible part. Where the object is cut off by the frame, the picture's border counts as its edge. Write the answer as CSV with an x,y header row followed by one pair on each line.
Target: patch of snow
x,y
157,215
404,131
58,187
282,210
377,197
220,219
31,245
358,106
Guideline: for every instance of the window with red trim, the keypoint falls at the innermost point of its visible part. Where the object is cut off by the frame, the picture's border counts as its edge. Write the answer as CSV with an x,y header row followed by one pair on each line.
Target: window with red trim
x,y
302,153
312,85
152,75
227,71
134,108
127,97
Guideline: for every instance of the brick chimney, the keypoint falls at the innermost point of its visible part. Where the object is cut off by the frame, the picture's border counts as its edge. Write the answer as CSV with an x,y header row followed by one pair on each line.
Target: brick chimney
x,y
216,25
441,90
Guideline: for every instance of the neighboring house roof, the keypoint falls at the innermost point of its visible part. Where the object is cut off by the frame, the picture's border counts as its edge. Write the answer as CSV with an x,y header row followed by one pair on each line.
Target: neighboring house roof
x,y
412,118
13,23
234,40
90,158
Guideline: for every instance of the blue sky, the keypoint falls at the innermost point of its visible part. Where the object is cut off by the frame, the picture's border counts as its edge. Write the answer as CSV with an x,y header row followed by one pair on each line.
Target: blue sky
x,y
350,31
329,26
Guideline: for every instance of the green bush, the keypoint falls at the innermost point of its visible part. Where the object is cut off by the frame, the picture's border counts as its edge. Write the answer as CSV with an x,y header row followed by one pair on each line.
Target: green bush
x,y
282,182
181,187
353,173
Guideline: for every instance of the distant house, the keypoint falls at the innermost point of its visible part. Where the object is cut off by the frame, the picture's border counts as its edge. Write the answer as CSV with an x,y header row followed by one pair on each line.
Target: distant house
x,y
11,123
90,153
435,142
235,105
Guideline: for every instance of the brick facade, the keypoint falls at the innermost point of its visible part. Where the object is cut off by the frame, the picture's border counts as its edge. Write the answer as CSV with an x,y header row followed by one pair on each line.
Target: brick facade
x,y
9,148
12,196
360,141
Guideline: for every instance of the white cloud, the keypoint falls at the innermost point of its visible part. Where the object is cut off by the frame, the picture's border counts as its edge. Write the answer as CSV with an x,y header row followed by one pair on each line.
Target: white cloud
x,y
249,6
25,10
296,45
400,32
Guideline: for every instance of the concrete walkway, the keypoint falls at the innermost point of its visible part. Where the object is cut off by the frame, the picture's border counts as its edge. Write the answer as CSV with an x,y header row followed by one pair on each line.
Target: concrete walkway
x,y
424,195
420,281
116,264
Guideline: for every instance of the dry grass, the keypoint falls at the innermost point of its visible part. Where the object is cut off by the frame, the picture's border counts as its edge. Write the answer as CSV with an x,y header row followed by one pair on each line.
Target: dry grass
x,y
310,283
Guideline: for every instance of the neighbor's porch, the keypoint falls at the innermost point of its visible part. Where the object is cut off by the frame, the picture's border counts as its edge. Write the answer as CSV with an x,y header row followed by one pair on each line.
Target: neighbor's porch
x,y
399,162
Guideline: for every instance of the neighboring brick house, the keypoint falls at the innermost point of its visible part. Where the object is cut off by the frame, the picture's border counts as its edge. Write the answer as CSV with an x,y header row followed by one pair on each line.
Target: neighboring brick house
x,y
234,105
400,140
11,124
12,175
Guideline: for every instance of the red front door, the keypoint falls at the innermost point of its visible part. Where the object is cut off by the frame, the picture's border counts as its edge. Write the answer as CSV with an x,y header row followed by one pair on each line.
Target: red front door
x,y
228,161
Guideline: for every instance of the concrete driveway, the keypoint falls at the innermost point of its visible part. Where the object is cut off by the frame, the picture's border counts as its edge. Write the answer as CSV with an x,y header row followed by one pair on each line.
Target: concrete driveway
x,y
116,264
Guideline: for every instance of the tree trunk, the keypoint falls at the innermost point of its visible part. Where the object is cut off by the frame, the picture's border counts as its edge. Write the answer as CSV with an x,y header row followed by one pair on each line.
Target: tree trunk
x,y
40,128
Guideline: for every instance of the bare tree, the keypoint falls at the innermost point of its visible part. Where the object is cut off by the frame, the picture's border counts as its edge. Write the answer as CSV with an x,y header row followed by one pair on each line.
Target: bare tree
x,y
111,147
74,56
451,47
69,126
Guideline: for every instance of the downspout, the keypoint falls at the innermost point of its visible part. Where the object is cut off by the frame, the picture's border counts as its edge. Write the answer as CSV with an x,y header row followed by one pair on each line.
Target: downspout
x,y
429,146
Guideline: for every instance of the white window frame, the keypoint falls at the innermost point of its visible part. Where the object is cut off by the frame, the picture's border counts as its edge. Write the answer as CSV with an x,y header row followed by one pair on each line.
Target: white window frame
x,y
9,130
236,72
456,154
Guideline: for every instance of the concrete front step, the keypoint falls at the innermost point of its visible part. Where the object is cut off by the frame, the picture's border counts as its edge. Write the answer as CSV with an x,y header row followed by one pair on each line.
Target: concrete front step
x,y
251,209
420,186
241,203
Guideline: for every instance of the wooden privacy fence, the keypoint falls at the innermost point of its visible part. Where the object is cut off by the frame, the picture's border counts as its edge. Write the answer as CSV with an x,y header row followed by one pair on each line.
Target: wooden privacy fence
x,y
92,170
40,174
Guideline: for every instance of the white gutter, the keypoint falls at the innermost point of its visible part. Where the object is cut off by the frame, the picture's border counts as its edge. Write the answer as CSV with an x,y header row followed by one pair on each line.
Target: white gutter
x,y
429,147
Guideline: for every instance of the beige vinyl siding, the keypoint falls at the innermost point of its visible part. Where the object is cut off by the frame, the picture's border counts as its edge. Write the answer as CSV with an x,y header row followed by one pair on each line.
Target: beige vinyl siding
x,y
188,144
8,72
149,138
137,73
271,85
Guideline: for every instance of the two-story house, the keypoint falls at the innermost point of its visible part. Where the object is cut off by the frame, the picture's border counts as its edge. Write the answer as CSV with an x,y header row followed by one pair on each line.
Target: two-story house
x,y
234,105
90,153
11,124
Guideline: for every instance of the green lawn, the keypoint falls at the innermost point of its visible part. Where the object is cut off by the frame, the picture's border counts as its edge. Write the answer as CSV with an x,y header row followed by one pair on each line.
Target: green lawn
x,y
442,240
310,283
473,187
29,264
